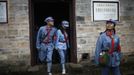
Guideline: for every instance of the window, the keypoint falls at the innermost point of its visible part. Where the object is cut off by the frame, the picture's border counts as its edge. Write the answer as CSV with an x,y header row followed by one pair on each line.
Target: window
x,y
105,10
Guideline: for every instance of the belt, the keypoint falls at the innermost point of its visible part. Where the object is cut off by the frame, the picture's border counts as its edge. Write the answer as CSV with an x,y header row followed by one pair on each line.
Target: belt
x,y
115,50
62,41
105,50
46,42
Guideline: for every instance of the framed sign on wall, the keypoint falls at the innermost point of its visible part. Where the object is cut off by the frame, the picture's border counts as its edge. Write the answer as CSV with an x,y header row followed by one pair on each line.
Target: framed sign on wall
x,y
105,10
3,12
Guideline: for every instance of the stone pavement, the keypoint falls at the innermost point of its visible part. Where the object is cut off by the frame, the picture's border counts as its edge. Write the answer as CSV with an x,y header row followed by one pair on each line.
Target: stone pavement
x,y
82,68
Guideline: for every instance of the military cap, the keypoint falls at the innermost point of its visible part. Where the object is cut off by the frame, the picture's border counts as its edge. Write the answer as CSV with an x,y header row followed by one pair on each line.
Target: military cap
x,y
111,21
49,19
65,23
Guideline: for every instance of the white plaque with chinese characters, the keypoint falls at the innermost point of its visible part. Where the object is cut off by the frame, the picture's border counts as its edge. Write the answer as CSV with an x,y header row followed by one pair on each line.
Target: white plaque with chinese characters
x,y
3,12
105,10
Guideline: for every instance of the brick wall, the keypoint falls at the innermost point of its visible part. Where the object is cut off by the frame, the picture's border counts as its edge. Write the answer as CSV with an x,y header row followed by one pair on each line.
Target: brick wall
x,y
14,35
88,31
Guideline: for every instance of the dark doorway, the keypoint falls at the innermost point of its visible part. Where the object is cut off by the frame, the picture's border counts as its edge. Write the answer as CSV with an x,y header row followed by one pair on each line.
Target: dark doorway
x,y
59,11
39,10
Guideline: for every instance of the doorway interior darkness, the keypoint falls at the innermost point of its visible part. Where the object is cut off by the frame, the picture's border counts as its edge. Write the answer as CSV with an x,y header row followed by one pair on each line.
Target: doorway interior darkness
x,y
59,10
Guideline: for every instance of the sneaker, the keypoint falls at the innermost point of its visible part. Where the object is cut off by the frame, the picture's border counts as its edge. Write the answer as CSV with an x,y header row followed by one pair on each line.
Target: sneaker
x,y
63,72
49,73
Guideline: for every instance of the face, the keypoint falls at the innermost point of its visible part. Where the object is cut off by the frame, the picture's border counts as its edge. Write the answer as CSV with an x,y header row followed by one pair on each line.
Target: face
x,y
51,23
64,27
110,26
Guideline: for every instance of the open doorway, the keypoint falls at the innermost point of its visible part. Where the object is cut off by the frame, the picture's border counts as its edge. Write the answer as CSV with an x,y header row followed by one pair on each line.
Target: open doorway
x,y
59,10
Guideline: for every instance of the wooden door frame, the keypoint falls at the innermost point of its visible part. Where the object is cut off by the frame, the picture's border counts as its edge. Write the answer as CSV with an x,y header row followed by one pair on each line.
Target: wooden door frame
x,y
73,43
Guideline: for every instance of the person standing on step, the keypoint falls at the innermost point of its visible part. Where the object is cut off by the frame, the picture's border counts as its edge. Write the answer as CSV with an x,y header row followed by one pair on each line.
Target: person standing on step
x,y
62,43
45,43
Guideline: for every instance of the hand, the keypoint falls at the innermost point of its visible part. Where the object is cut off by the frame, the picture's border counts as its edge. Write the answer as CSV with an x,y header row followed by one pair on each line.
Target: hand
x,y
39,48
56,48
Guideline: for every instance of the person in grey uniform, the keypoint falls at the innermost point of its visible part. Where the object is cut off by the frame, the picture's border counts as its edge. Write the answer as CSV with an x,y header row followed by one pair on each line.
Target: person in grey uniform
x,y
62,43
45,42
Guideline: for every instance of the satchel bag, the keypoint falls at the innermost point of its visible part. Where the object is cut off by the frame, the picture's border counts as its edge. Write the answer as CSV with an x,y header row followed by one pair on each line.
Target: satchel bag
x,y
104,58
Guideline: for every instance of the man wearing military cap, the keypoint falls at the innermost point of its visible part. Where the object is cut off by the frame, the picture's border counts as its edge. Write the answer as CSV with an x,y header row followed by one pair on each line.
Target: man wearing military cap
x,y
45,42
62,43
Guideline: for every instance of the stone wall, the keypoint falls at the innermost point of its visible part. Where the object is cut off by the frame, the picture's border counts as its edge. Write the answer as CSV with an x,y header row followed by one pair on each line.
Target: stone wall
x,y
88,31
14,35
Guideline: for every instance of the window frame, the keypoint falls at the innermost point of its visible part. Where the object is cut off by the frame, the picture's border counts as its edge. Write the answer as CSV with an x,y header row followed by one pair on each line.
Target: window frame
x,y
115,2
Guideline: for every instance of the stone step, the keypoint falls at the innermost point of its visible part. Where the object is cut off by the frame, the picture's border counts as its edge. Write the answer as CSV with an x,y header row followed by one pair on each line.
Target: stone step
x,y
83,68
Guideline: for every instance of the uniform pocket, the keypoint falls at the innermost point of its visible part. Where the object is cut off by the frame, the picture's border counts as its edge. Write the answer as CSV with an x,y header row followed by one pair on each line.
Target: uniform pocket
x,y
42,46
115,59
